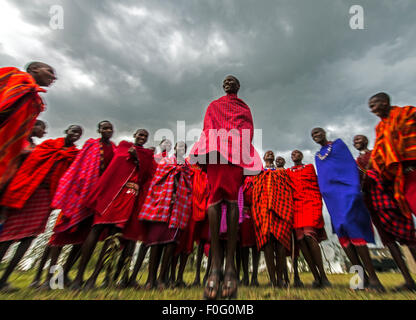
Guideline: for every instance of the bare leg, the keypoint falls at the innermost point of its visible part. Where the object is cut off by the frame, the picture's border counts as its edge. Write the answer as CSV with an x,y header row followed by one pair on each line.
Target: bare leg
x,y
140,258
20,252
413,251
352,255
213,280
208,270
4,246
54,254
230,275
244,257
167,257
38,277
281,256
179,282
296,281
398,258
73,256
303,244
98,267
86,252
270,262
374,282
125,256
153,266
238,257
174,264
255,255
316,255
197,281
285,272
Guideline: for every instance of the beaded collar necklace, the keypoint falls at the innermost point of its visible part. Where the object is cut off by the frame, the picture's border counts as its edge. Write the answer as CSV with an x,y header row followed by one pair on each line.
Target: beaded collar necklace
x,y
327,153
300,167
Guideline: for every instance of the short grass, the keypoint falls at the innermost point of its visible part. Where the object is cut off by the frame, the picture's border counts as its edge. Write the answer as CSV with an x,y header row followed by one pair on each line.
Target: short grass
x,y
339,291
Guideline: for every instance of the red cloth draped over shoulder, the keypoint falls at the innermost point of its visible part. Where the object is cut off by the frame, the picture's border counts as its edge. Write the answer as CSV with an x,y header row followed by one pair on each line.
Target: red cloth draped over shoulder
x,y
76,185
118,173
395,143
200,194
20,105
226,120
307,197
273,207
50,153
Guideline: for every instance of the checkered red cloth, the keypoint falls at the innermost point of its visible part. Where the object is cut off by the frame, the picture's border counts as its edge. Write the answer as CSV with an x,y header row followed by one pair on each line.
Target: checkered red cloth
x,y
391,218
273,207
228,130
160,205
76,185
307,198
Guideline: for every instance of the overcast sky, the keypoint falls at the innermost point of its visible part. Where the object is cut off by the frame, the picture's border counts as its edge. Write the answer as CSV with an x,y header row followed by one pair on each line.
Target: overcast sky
x,y
152,63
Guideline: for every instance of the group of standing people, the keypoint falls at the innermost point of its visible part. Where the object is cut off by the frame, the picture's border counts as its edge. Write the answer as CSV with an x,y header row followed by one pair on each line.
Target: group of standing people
x,y
222,198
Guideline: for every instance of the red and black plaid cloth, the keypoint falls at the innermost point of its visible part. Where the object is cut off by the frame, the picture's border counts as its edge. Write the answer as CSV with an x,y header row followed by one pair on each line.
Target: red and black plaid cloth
x,y
391,218
160,204
273,207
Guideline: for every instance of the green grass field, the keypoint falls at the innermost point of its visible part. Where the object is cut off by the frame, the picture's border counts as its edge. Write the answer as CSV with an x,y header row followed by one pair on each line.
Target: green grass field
x,y
339,291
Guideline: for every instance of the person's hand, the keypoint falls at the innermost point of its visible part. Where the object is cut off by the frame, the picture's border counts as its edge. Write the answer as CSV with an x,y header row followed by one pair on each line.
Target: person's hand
x,y
133,154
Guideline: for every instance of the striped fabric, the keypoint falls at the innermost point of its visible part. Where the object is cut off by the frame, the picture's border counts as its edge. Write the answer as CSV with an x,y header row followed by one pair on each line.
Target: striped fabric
x,y
20,105
161,205
273,207
30,221
76,185
395,143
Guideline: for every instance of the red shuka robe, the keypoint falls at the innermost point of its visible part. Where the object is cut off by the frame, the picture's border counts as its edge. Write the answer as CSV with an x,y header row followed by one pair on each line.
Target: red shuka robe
x,y
20,105
228,120
121,169
307,199
50,153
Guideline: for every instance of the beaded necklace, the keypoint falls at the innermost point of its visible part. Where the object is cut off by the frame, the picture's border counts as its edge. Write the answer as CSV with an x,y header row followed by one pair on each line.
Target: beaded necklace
x,y
301,167
327,153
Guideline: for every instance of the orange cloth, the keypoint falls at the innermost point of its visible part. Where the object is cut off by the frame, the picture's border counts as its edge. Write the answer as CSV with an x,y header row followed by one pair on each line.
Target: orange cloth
x,y
395,144
20,105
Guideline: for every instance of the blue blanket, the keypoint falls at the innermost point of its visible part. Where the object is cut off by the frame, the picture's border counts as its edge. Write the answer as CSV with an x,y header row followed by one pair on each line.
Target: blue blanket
x,y
339,181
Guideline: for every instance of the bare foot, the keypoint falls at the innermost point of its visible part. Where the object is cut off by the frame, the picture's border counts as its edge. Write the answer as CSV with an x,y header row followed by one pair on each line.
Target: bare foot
x,y
230,286
213,285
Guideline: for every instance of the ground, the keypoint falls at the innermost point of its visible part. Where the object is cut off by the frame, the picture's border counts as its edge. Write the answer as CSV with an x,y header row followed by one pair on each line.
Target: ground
x,y
339,291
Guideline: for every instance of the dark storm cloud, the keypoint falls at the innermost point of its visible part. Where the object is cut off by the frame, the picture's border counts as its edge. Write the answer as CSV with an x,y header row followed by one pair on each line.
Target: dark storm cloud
x,y
151,63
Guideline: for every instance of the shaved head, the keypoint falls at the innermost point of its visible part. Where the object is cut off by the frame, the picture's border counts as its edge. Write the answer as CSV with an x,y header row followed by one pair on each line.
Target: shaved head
x,y
318,129
235,78
381,96
43,73
36,65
